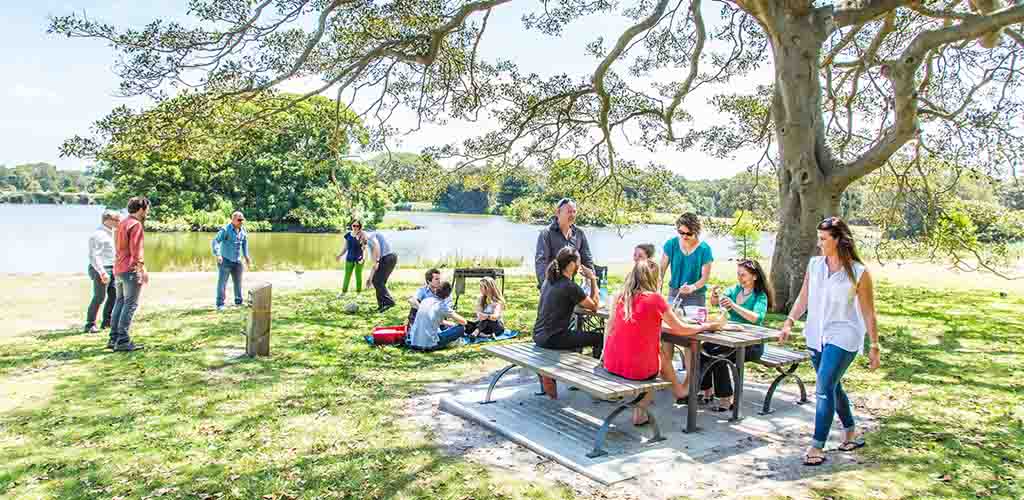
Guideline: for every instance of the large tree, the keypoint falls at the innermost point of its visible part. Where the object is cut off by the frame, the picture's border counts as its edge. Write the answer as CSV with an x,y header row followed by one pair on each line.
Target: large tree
x,y
855,84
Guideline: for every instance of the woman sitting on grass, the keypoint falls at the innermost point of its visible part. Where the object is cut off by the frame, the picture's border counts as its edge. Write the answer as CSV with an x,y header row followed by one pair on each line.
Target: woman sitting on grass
x,y
489,310
747,302
633,334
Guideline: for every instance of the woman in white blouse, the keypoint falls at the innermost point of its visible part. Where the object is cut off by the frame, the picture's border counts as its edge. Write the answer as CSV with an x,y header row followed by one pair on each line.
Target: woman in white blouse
x,y
839,299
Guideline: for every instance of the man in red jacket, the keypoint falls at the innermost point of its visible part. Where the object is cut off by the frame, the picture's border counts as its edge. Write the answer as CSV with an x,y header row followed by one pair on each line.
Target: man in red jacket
x,y
129,274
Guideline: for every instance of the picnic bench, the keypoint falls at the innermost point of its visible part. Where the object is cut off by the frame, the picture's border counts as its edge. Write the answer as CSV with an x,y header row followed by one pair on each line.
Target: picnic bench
x,y
583,372
462,273
779,358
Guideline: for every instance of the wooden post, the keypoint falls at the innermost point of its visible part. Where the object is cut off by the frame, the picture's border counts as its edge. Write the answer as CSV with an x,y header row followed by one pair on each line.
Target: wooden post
x,y
257,339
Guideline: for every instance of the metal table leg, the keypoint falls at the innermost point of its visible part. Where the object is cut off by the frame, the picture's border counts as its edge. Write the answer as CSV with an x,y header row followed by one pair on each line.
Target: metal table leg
x,y
494,381
737,398
602,433
693,371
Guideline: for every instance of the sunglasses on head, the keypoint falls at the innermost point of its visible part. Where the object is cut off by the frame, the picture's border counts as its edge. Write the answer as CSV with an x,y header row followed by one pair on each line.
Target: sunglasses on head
x,y
747,263
565,201
829,221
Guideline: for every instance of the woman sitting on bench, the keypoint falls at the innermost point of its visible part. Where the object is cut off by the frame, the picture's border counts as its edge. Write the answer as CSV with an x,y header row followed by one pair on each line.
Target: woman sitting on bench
x,y
559,296
634,332
488,311
747,302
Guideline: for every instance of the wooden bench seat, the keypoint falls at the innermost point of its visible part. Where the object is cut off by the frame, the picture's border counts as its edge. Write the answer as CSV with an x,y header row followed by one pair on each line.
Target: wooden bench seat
x,y
780,358
582,372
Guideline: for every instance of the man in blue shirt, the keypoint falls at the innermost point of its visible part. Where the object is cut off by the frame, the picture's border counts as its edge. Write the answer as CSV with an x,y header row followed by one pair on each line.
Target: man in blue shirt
x,y
230,246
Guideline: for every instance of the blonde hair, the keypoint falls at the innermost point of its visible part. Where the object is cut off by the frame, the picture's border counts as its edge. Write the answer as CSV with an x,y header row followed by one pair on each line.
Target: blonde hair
x,y
642,279
490,293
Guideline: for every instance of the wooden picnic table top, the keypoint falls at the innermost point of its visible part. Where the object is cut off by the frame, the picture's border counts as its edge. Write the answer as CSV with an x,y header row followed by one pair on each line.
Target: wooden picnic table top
x,y
576,369
747,336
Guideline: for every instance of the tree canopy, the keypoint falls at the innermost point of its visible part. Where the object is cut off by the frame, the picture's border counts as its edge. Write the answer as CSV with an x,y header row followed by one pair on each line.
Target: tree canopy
x,y
288,168
857,86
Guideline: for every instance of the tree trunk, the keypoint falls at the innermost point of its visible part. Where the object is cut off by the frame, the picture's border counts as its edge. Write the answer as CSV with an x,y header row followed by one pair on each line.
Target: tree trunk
x,y
805,197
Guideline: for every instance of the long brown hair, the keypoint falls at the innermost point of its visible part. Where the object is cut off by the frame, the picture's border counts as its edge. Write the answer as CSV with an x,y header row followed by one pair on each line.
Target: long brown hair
x,y
845,246
761,284
642,279
565,256
491,293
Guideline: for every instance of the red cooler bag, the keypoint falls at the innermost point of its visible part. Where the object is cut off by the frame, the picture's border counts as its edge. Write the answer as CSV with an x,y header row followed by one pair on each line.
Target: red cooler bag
x,y
388,335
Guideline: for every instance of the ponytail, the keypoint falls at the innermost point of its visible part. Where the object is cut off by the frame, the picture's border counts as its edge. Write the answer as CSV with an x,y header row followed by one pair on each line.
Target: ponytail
x,y
566,256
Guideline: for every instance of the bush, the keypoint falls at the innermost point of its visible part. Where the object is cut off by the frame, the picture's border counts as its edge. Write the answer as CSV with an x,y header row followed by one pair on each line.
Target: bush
x,y
993,223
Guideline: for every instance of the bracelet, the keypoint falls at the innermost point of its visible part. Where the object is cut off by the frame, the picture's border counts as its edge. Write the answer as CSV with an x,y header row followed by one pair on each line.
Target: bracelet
x,y
790,318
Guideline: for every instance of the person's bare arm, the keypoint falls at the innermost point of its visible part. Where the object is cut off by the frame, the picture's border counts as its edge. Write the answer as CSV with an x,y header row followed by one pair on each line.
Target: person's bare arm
x,y
705,275
457,318
799,307
866,298
663,267
678,328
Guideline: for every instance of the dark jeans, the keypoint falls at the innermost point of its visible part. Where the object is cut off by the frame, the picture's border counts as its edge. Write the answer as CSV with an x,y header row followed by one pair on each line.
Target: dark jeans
x,y
720,375
830,364
486,327
445,337
101,292
380,280
412,317
233,268
573,339
128,290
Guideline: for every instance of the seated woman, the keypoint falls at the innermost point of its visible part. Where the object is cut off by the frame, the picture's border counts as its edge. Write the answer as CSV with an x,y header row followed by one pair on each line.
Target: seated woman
x,y
559,296
426,333
643,251
633,334
747,302
488,311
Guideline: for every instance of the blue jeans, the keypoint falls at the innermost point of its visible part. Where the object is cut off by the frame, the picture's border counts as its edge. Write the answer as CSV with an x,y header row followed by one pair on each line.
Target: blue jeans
x,y
445,337
128,288
830,365
225,268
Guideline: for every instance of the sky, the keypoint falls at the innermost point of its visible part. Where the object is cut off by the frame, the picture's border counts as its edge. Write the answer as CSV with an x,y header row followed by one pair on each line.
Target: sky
x,y
54,87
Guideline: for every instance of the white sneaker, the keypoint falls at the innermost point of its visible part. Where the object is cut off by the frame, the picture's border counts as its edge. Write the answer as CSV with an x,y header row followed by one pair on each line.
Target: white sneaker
x,y
220,308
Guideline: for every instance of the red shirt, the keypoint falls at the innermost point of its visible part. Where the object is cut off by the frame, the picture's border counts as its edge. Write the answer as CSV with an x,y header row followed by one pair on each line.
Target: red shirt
x,y
128,244
632,349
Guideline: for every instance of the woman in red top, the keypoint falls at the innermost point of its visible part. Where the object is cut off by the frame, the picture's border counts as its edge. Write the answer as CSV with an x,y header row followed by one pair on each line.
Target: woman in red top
x,y
634,332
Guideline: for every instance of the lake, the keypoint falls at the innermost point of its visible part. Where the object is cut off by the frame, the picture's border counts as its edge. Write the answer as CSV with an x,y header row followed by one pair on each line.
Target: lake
x,y
53,239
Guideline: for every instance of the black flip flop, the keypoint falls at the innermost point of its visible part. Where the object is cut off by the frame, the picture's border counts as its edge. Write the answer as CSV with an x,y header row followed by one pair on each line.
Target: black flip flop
x,y
851,445
720,408
814,461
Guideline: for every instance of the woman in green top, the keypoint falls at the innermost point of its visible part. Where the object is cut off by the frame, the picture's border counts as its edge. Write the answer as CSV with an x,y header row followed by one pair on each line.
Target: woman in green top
x,y
690,260
747,302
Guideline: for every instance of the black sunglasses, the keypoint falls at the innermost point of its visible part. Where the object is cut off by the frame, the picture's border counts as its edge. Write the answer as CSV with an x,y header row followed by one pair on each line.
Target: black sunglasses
x,y
684,233
829,221
565,201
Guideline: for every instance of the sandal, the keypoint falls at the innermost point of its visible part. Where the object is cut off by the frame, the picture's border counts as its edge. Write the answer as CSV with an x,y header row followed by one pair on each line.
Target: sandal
x,y
704,399
720,408
852,445
647,419
814,461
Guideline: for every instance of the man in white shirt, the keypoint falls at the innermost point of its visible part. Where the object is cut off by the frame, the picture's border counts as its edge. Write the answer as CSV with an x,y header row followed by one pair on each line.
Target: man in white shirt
x,y
101,270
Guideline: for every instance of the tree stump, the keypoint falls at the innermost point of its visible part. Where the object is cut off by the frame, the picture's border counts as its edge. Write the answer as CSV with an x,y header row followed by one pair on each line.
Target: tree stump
x,y
257,338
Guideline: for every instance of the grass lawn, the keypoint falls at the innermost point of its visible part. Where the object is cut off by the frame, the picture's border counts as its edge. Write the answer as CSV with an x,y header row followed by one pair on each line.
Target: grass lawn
x,y
320,418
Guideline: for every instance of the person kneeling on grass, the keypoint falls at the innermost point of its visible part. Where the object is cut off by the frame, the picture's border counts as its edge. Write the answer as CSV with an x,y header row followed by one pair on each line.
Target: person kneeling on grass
x,y
633,333
426,333
488,311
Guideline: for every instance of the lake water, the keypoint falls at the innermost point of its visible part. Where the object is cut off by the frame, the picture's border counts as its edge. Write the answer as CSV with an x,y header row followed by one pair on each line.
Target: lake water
x,y
53,238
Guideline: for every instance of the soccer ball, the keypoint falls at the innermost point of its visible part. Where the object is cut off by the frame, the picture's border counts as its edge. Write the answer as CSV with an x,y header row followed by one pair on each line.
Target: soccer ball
x,y
351,308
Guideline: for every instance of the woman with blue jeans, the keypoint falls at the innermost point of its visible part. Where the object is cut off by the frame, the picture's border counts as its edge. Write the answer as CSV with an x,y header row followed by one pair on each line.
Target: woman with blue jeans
x,y
838,296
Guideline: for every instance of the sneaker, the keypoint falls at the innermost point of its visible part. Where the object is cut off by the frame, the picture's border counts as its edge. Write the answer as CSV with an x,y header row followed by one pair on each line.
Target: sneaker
x,y
220,308
127,347
110,344
92,329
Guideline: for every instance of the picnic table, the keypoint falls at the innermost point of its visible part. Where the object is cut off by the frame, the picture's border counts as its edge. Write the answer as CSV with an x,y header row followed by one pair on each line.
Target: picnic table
x,y
736,340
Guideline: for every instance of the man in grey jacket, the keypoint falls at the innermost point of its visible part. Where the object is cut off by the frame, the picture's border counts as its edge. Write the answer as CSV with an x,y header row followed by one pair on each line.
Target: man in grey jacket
x,y
561,233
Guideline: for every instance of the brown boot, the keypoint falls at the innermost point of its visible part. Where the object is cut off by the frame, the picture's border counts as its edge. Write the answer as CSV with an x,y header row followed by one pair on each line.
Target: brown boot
x,y
550,386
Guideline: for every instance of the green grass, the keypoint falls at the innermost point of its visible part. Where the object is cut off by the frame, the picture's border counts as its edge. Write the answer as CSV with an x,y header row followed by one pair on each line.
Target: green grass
x,y
397,224
322,417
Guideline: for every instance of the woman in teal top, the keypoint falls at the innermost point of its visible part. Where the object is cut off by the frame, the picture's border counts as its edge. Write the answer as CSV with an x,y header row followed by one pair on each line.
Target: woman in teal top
x,y
690,260
747,302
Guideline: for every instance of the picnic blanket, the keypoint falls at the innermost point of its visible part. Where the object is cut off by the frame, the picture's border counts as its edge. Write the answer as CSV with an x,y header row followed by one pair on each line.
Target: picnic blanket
x,y
508,334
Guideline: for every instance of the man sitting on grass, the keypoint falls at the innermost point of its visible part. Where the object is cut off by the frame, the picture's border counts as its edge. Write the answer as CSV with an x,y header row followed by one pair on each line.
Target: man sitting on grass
x,y
432,278
426,333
